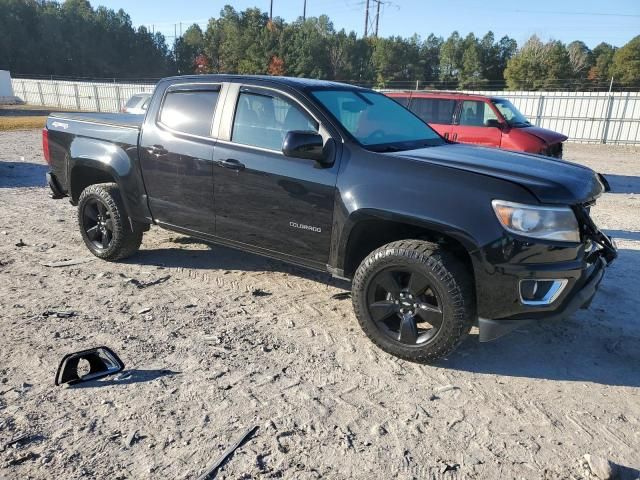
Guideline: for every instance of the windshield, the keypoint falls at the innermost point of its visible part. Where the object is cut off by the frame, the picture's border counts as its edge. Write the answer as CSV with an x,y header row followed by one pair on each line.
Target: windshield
x,y
511,114
377,122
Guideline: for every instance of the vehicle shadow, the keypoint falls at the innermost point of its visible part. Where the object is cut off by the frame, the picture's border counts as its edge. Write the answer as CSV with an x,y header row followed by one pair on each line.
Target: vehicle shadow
x,y
600,344
623,234
126,377
224,258
623,183
22,174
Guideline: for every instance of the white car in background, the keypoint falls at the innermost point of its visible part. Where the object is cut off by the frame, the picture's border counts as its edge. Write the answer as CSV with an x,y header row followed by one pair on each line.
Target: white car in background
x,y
137,104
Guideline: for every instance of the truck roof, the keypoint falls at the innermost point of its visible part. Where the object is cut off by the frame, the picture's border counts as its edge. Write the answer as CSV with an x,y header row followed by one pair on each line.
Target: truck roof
x,y
295,82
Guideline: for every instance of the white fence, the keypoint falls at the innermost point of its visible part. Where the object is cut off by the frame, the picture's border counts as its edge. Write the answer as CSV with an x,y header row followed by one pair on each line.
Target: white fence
x,y
587,117
90,96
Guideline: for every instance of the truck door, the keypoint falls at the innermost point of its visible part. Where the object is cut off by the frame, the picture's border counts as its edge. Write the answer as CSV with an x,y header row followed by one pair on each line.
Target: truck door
x,y
475,118
176,155
264,199
437,112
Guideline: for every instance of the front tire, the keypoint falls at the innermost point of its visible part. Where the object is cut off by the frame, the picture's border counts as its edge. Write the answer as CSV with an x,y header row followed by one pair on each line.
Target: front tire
x,y
414,300
104,224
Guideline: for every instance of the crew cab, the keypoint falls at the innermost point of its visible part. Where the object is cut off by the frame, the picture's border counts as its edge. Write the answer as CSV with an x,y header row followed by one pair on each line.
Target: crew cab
x,y
434,236
481,120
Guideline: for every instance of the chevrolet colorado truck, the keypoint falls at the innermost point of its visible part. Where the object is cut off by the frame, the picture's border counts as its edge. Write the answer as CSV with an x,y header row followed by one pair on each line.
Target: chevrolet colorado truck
x,y
434,236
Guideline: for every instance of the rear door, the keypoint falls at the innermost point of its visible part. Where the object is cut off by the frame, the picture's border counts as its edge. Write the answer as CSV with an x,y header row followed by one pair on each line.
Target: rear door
x,y
176,155
437,112
264,199
472,124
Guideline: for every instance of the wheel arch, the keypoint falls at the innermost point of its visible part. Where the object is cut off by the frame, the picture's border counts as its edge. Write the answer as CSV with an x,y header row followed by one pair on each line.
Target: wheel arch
x,y
93,161
368,230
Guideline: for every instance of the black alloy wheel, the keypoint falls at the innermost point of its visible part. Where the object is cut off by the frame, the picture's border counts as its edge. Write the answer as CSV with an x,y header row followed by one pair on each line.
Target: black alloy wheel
x,y
97,223
414,299
405,306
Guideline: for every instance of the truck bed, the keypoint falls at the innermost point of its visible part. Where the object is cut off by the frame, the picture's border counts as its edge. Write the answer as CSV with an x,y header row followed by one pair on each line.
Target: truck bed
x,y
114,119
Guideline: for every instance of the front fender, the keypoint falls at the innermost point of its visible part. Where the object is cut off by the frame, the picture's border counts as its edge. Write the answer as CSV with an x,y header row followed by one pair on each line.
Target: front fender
x,y
356,217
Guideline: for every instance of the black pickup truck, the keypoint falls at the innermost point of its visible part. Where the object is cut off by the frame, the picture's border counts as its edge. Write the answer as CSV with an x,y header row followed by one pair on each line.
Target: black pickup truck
x,y
434,236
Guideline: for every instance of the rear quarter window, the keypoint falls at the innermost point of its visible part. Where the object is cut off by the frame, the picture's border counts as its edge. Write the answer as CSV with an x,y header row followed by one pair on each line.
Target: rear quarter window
x,y
434,110
189,111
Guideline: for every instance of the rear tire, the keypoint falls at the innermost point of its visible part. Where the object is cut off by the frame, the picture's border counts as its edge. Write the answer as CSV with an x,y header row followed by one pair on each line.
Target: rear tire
x,y
104,224
414,300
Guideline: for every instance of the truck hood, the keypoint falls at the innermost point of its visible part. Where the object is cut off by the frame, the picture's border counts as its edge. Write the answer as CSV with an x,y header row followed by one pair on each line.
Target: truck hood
x,y
548,136
551,180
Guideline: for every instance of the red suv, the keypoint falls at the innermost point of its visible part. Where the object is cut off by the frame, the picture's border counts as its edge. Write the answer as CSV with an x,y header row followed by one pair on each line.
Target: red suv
x,y
487,121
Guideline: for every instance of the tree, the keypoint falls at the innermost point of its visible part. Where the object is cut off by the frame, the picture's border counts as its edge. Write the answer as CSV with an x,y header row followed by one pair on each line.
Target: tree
x,y
430,58
557,66
78,40
580,60
603,58
396,61
451,54
471,71
538,66
276,66
188,47
625,67
526,69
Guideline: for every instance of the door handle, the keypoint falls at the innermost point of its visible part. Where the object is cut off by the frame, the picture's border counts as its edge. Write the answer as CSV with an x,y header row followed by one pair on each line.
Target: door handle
x,y
157,150
232,164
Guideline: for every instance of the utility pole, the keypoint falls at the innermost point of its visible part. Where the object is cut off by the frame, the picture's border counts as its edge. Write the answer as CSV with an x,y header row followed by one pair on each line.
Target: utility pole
x,y
377,15
304,11
271,11
366,19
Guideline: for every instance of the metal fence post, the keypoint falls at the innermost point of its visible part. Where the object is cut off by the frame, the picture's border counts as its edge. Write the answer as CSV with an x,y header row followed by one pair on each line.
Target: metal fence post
x,y
118,100
57,92
95,92
607,120
24,92
540,109
40,92
75,88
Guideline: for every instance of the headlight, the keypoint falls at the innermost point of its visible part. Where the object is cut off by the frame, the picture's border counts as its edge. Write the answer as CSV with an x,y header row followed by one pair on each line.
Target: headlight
x,y
548,223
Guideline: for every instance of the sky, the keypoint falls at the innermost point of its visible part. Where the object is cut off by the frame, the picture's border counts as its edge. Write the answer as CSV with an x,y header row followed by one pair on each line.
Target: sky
x,y
592,21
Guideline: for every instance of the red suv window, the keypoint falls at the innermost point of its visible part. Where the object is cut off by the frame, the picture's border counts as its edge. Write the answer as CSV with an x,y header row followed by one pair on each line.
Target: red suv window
x,y
434,110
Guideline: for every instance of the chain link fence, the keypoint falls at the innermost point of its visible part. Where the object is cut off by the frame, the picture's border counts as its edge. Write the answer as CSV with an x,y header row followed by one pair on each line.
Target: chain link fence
x,y
585,117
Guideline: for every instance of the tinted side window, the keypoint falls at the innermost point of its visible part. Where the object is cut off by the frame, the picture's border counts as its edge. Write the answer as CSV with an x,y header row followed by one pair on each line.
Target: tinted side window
x,y
263,120
434,110
404,101
476,114
189,112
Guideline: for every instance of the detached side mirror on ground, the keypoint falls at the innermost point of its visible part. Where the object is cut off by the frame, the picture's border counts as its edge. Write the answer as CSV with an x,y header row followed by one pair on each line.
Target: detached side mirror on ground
x,y
306,144
102,362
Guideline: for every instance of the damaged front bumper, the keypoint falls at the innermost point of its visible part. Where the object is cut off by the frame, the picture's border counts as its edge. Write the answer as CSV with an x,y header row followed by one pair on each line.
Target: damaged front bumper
x,y
581,286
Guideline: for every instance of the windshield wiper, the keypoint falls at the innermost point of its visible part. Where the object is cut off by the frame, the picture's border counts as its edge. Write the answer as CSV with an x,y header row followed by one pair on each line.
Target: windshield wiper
x,y
386,148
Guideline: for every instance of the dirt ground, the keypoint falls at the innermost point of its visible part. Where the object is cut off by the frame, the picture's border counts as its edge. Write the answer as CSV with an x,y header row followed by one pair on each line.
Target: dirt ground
x,y
216,341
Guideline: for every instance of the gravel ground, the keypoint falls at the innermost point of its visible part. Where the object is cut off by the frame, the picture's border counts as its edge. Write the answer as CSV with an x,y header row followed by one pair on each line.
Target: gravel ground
x,y
215,341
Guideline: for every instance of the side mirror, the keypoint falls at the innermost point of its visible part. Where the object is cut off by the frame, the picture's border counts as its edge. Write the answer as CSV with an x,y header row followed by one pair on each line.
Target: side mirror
x,y
492,122
305,144
102,362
